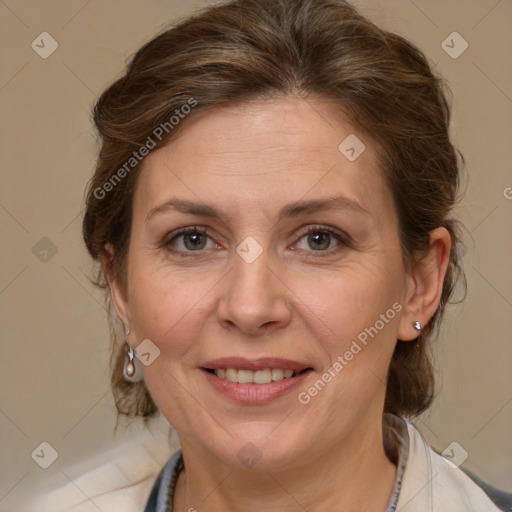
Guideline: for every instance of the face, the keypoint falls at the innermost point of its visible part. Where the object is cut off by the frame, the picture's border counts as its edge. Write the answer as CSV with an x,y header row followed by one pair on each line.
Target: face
x,y
259,250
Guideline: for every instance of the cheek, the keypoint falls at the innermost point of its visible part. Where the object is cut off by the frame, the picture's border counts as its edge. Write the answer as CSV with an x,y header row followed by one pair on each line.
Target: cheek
x,y
167,306
358,303
350,298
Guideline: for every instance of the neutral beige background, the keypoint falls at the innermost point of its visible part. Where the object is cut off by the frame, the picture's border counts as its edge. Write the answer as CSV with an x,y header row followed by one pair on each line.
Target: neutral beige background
x,y
54,352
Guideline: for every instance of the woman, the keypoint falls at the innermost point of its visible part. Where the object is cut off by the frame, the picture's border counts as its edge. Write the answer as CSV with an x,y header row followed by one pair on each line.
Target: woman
x,y
272,213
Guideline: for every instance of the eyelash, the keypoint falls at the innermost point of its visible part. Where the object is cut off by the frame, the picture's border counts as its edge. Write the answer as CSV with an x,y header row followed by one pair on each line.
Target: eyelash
x,y
343,239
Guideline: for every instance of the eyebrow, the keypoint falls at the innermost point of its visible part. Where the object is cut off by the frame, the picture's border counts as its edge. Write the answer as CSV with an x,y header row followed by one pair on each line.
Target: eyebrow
x,y
290,210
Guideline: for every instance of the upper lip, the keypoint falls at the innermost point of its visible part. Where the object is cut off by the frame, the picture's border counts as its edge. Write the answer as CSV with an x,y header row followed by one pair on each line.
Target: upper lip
x,y
261,363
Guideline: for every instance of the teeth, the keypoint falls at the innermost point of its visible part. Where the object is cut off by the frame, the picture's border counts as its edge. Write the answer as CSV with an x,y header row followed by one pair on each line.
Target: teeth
x,y
231,375
258,377
277,374
261,376
245,376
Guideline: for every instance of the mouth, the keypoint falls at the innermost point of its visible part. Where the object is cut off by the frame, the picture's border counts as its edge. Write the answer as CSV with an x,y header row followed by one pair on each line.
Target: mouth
x,y
255,381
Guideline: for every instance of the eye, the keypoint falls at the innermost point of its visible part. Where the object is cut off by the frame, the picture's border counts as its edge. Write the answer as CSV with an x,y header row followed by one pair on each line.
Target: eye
x,y
323,240
189,239
319,239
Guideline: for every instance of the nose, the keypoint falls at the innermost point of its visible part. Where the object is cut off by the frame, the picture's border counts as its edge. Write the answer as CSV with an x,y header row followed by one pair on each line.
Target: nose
x,y
254,298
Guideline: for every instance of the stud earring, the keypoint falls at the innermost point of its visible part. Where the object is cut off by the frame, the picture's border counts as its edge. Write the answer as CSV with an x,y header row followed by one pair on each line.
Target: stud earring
x,y
417,326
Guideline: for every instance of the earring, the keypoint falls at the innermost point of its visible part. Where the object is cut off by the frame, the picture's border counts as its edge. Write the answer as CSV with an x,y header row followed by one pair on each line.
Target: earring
x,y
131,368
417,326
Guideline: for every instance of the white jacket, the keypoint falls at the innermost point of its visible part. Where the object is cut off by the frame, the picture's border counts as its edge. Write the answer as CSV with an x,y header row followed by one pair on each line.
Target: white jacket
x,y
432,484
124,481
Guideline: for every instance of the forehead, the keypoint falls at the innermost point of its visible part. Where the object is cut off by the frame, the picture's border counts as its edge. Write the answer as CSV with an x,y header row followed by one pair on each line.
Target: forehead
x,y
254,153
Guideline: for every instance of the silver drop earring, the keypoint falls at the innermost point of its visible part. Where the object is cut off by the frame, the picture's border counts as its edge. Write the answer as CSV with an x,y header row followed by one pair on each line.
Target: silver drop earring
x,y
131,368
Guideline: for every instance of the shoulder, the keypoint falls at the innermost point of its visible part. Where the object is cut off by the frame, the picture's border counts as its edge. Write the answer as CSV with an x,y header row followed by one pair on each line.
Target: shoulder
x,y
120,478
432,483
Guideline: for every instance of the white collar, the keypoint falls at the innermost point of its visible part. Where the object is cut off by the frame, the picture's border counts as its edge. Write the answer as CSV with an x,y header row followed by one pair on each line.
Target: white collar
x,y
431,484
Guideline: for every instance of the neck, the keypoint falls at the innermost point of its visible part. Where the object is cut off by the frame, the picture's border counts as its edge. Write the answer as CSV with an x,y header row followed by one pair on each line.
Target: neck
x,y
352,475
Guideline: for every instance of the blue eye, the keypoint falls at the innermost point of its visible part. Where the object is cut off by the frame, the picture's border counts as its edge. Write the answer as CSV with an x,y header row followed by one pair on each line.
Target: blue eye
x,y
193,239
321,240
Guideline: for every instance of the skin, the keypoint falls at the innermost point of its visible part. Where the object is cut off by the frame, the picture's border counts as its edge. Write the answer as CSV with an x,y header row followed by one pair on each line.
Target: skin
x,y
294,302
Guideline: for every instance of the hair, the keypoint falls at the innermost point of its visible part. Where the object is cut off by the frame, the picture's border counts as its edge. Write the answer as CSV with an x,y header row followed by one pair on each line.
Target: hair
x,y
247,50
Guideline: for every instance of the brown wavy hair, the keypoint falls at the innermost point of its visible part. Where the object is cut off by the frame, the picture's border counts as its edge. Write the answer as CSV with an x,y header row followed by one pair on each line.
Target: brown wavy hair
x,y
256,49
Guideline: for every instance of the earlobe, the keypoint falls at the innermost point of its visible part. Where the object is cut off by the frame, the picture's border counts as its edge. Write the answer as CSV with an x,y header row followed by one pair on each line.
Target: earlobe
x,y
118,292
426,285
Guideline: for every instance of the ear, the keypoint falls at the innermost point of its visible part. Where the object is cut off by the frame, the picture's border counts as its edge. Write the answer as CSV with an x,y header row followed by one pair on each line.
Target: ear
x,y
118,291
425,285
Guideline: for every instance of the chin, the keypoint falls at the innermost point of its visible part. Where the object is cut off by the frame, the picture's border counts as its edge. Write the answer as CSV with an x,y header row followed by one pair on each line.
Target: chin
x,y
261,450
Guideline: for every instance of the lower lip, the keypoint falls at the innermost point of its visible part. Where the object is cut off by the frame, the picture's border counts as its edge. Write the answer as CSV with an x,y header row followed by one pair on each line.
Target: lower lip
x,y
255,393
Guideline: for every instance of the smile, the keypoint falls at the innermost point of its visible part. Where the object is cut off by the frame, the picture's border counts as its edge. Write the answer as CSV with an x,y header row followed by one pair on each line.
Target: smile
x,y
254,381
